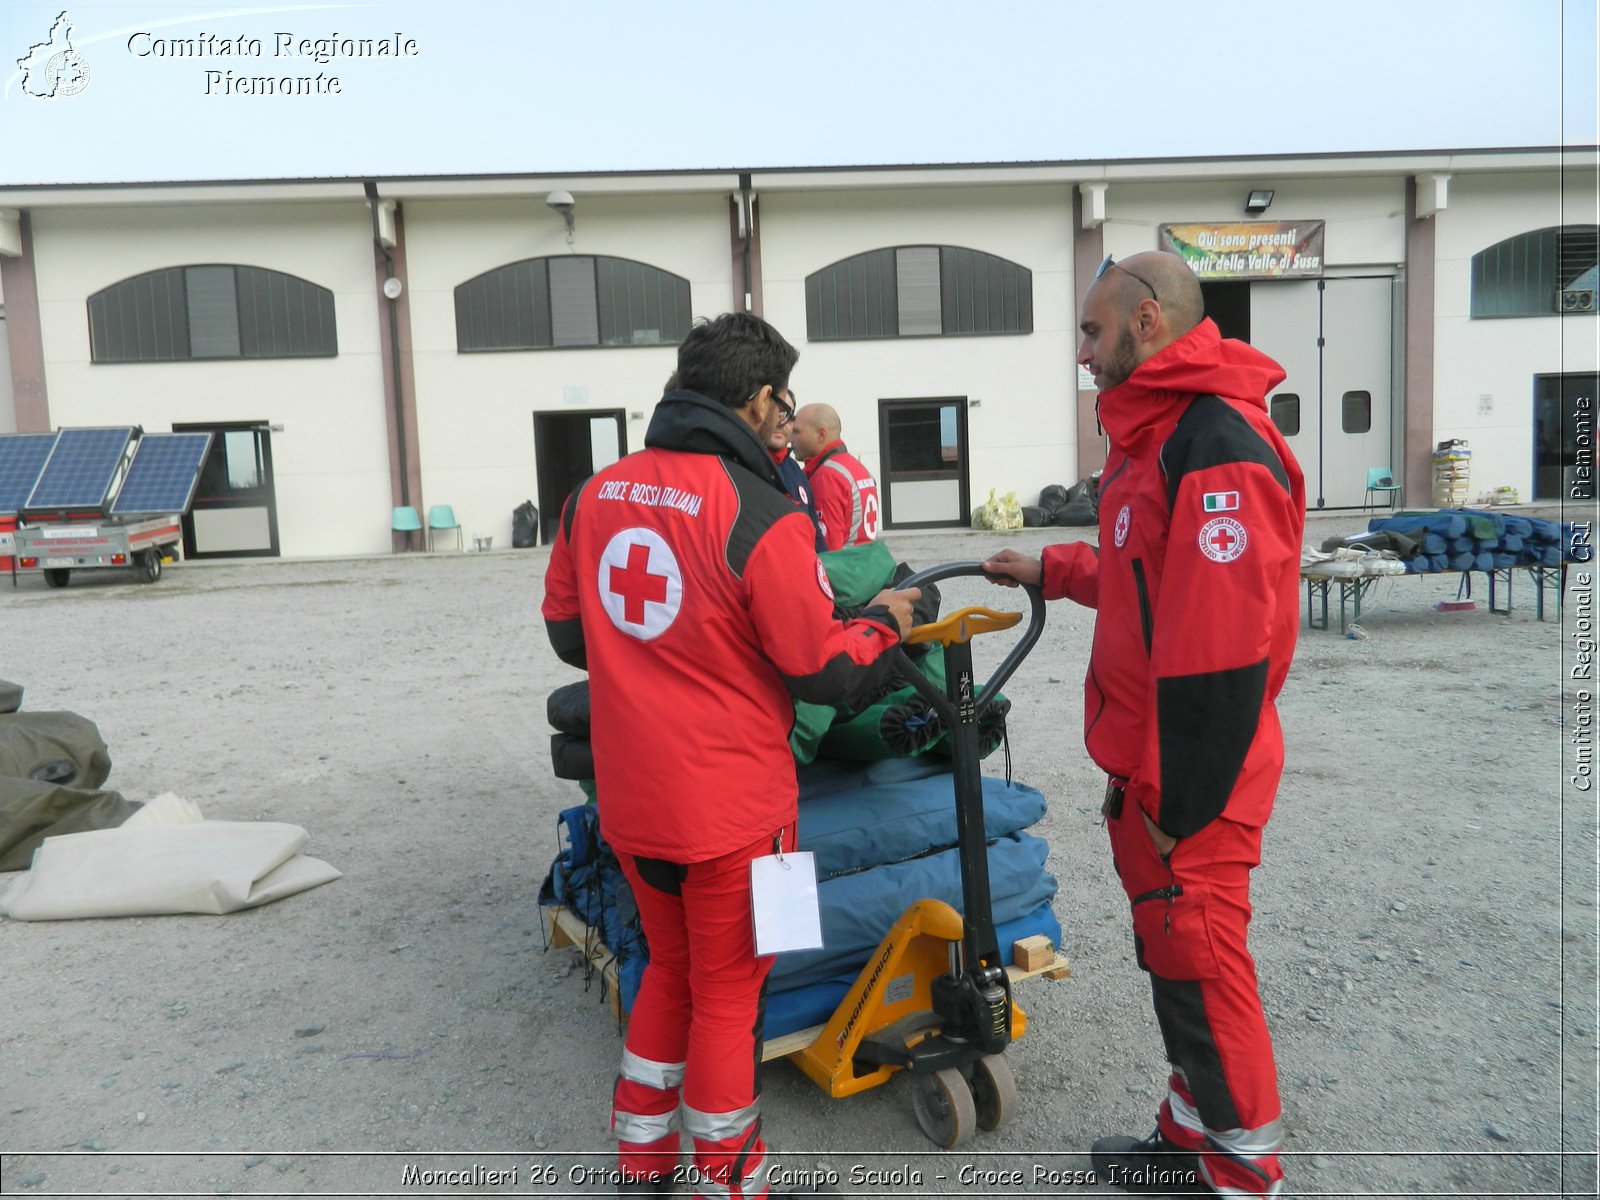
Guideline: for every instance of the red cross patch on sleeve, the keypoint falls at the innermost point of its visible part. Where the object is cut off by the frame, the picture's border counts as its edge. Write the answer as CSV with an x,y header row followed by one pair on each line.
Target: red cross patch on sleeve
x,y
1222,539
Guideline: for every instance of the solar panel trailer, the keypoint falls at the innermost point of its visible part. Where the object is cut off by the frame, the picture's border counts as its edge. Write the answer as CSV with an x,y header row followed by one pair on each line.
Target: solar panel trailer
x,y
92,505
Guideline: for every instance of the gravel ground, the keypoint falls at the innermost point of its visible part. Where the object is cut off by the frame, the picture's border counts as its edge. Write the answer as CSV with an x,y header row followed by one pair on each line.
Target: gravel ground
x,y
1425,916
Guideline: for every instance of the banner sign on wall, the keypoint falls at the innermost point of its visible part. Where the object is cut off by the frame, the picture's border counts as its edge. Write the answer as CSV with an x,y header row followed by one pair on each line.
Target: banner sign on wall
x,y
1249,249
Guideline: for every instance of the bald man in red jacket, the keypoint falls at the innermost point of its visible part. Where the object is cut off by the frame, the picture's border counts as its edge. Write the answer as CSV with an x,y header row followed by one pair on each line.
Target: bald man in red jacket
x,y
1195,586
844,491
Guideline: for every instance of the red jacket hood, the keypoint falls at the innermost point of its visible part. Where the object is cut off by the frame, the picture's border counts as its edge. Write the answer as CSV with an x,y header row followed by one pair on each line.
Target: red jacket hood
x,y
1201,361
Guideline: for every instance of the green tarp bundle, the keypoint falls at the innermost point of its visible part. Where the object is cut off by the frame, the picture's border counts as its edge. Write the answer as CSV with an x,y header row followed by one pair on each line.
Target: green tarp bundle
x,y
898,725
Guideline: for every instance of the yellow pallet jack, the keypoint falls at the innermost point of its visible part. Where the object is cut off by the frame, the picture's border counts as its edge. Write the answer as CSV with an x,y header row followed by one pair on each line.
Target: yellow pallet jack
x,y
935,997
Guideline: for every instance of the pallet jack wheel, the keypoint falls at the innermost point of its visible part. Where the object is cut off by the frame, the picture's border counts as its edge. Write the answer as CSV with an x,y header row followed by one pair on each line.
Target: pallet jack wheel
x,y
57,576
150,566
943,1104
994,1091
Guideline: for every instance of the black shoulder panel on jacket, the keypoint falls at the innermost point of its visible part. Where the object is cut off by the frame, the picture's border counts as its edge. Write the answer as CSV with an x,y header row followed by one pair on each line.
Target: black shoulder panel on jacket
x,y
1212,433
569,511
760,505
1205,725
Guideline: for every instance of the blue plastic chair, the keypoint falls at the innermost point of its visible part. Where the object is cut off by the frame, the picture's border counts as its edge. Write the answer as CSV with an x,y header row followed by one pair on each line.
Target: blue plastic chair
x,y
443,517
406,521
1380,479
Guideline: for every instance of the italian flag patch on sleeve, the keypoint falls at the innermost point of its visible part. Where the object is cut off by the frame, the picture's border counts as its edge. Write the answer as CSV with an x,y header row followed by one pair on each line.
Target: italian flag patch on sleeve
x,y
1220,501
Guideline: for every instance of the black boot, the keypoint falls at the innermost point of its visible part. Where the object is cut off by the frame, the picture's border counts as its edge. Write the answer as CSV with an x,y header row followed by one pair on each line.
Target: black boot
x,y
1150,1164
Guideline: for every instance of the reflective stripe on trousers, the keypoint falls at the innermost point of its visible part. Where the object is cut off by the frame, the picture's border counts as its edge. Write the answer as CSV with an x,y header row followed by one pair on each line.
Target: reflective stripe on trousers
x,y
664,1077
1233,1162
720,1127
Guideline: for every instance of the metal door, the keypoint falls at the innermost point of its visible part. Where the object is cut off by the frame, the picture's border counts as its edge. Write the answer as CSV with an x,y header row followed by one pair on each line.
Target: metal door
x,y
1334,339
568,448
1563,436
924,473
235,509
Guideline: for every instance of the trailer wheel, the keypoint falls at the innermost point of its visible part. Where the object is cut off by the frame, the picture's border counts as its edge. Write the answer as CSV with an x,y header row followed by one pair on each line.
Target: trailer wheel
x,y
57,576
150,566
943,1105
994,1091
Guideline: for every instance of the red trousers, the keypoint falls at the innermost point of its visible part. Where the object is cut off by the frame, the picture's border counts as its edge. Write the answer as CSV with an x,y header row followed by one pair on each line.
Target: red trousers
x,y
1190,915
694,1035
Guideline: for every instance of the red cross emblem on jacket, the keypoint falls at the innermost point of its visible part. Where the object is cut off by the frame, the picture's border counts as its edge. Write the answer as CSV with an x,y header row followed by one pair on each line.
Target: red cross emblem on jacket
x,y
641,585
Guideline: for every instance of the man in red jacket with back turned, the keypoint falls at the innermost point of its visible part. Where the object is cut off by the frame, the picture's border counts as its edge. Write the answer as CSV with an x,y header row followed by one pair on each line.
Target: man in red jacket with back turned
x,y
845,493
685,580
1195,583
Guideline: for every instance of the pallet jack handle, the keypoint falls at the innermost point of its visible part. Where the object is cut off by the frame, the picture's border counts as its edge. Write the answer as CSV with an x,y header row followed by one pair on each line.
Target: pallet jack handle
x,y
962,626
961,706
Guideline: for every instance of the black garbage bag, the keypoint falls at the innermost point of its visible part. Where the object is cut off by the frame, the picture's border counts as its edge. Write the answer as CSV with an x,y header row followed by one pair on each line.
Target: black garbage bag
x,y
525,526
1033,516
1083,503
1052,499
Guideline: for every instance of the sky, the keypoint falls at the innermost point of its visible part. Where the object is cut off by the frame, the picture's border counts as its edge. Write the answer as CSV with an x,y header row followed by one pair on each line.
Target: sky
x,y
143,90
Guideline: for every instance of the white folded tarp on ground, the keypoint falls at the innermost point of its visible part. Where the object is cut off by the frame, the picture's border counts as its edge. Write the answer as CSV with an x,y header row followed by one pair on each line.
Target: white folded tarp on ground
x,y
146,870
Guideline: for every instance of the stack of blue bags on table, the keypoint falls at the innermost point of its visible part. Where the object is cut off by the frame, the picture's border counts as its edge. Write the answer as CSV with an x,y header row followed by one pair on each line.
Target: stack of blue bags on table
x,y
1464,539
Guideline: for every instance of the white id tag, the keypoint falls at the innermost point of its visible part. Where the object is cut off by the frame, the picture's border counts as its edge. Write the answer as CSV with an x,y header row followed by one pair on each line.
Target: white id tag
x,y
783,900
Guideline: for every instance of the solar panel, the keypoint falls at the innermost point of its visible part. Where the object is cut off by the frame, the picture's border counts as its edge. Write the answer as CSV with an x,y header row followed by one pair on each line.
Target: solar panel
x,y
22,456
80,469
163,472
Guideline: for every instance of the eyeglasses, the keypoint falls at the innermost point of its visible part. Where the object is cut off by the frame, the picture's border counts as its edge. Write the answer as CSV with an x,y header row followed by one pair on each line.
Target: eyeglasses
x,y
785,407
1109,263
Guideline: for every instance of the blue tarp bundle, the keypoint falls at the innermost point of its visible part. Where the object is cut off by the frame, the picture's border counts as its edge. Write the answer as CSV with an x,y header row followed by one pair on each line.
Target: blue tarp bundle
x,y
853,819
883,835
858,909
1474,540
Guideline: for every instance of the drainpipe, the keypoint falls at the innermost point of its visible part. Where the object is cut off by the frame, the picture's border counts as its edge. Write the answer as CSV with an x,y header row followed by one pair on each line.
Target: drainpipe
x,y
371,188
747,224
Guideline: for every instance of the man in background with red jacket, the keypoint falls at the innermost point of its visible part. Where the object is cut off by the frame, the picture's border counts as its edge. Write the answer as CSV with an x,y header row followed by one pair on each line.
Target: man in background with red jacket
x,y
684,579
792,473
1195,583
845,493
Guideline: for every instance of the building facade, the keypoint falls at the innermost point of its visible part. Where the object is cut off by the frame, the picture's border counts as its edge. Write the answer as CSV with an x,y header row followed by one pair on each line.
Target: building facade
x,y
357,345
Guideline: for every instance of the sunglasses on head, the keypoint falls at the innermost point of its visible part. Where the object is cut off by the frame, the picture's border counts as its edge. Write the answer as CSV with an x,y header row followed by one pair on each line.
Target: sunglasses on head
x,y
1110,262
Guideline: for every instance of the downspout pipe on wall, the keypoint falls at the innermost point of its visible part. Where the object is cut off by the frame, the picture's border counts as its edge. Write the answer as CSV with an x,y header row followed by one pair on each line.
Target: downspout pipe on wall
x,y
748,232
395,397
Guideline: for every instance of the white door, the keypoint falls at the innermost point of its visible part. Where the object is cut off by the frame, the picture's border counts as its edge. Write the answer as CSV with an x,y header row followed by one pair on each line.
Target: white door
x,y
1335,406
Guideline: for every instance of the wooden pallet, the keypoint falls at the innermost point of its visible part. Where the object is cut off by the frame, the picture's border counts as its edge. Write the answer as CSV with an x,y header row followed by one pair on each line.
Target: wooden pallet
x,y
566,928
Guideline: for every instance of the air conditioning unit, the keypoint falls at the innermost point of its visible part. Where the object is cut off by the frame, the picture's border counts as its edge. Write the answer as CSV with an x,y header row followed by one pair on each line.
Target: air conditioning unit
x,y
1577,300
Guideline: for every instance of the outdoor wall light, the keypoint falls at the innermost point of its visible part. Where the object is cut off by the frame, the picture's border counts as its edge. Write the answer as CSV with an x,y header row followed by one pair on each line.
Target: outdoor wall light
x,y
1258,200
562,203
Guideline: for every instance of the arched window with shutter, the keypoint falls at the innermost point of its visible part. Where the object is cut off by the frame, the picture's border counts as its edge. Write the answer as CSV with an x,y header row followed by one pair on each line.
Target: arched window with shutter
x,y
1537,274
211,311
571,300
918,291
